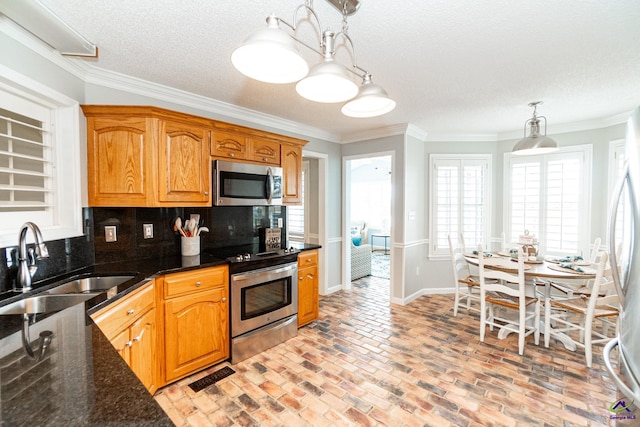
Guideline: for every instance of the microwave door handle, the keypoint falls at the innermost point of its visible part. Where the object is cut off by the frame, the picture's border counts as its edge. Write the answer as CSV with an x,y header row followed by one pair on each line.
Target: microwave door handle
x,y
269,185
613,213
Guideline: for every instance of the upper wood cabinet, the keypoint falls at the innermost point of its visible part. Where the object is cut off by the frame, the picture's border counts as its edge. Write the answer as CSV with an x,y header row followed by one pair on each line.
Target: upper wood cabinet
x,y
264,151
184,165
151,157
229,145
118,161
292,170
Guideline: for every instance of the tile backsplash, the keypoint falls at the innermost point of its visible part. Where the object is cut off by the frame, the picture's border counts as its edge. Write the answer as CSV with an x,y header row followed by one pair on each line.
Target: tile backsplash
x,y
229,226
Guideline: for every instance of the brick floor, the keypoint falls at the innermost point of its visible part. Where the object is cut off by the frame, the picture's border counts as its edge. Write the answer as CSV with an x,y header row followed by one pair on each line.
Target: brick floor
x,y
366,363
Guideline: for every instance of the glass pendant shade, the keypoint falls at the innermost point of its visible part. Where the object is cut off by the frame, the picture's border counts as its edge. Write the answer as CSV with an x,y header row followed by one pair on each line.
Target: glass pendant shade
x,y
327,82
371,101
270,55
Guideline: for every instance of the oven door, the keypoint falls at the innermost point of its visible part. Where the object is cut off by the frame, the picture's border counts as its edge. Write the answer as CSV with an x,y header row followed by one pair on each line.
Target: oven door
x,y
241,184
263,296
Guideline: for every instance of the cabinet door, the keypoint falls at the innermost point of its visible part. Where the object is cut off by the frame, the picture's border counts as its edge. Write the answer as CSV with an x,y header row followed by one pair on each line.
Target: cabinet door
x,y
229,145
122,344
196,332
119,161
264,151
307,295
143,350
183,163
292,171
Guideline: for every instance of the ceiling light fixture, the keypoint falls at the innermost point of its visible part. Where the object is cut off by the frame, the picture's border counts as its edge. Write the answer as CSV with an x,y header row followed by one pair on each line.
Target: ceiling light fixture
x,y
271,55
535,143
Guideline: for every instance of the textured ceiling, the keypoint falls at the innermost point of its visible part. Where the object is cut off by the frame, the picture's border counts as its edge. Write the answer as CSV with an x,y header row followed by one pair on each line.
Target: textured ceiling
x,y
453,66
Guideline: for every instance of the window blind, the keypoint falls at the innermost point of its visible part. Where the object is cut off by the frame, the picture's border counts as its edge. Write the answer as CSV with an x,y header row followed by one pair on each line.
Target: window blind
x,y
25,167
295,214
460,200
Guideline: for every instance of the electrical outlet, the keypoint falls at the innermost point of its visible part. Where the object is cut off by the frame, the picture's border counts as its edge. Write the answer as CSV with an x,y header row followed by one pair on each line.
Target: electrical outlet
x,y
110,233
147,231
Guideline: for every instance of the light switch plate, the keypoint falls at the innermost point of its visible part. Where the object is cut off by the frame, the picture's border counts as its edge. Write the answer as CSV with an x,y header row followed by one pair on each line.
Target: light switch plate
x,y
110,233
147,231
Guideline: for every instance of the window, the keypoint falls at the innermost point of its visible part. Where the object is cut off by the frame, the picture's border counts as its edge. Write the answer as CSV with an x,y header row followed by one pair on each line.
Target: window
x,y
39,130
460,200
549,195
296,218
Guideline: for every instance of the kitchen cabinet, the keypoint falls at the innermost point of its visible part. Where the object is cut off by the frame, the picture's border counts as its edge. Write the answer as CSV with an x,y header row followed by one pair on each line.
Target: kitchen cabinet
x,y
184,168
130,326
291,161
196,327
308,296
264,151
229,145
119,164
146,157
140,156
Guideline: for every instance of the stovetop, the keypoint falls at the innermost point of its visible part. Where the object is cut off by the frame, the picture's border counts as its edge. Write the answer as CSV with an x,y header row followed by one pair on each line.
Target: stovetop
x,y
249,257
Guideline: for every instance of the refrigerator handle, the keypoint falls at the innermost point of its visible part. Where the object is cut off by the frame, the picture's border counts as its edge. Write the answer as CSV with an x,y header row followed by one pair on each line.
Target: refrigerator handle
x,y
616,379
613,213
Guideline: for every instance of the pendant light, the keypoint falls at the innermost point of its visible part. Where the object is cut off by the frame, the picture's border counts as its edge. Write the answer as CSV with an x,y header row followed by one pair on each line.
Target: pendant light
x,y
270,55
371,101
535,143
327,81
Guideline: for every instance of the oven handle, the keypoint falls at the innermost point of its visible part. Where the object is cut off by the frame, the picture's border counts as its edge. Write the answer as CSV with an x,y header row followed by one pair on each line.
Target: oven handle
x,y
270,273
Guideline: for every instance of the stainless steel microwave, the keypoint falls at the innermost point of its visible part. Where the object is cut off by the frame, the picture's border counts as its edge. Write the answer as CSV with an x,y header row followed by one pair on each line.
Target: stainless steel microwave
x,y
243,184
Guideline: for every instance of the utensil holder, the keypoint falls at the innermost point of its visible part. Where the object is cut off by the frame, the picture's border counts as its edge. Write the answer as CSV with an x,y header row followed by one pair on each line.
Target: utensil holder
x,y
190,245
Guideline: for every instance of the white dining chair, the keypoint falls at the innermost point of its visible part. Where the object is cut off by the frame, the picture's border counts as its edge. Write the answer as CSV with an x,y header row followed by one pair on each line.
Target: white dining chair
x,y
467,286
581,287
508,292
575,317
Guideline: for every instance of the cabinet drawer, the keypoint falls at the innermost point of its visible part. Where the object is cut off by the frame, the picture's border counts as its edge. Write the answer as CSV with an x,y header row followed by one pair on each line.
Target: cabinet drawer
x,y
119,315
194,281
230,145
264,151
308,258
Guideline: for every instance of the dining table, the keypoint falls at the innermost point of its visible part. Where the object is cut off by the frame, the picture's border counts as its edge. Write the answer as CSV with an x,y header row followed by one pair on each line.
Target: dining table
x,y
538,273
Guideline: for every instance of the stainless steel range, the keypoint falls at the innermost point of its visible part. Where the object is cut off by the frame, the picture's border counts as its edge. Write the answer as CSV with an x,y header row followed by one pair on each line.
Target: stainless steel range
x,y
264,301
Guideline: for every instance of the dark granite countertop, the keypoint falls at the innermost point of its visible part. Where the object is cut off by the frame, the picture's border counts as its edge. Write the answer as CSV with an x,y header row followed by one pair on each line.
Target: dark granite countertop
x,y
82,380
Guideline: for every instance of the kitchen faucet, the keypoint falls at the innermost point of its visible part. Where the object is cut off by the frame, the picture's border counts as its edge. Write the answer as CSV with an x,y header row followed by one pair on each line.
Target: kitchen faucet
x,y
27,260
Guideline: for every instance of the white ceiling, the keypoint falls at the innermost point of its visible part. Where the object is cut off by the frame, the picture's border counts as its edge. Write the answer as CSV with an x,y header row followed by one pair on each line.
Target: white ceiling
x,y
463,67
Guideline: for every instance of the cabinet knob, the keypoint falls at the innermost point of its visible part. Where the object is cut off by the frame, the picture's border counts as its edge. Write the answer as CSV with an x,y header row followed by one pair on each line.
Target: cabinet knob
x,y
264,159
300,278
130,311
198,284
224,299
139,337
128,344
231,155
206,193
310,276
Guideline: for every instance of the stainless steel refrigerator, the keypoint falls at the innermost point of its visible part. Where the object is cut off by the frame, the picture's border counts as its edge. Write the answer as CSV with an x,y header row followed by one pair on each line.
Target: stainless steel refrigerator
x,y
625,266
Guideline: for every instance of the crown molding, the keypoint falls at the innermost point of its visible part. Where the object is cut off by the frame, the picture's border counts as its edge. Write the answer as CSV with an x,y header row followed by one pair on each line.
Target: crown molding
x,y
462,137
383,132
119,81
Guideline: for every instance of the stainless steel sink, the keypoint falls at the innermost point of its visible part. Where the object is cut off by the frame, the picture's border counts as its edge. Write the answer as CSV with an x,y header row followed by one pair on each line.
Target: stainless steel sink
x,y
44,304
96,284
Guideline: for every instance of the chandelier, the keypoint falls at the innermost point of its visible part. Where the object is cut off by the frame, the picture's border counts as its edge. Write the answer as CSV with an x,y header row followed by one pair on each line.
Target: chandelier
x,y
535,143
271,55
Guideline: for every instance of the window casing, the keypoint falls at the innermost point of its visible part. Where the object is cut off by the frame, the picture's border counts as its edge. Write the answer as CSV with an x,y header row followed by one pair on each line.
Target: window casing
x,y
460,200
297,215
39,160
550,196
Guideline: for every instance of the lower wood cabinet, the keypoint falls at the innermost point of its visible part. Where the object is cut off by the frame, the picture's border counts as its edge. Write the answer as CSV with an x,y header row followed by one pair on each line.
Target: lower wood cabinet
x,y
196,328
130,325
308,297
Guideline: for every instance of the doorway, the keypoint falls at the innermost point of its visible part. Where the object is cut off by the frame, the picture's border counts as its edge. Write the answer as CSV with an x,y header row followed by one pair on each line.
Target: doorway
x,y
368,187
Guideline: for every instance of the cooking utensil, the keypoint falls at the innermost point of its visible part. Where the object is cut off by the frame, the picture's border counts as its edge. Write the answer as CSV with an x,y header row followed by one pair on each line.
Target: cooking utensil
x,y
202,230
178,225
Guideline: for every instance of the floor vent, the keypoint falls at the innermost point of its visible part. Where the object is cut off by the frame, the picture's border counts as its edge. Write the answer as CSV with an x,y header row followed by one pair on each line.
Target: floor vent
x,y
212,378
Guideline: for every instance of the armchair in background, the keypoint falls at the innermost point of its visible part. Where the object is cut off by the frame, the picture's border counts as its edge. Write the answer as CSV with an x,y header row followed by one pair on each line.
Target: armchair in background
x,y
360,251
